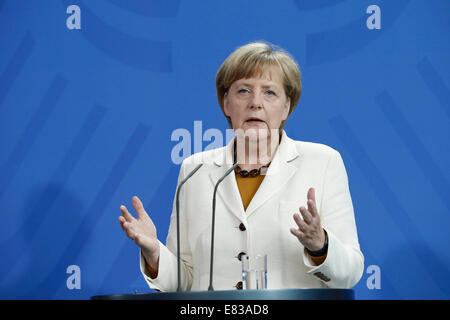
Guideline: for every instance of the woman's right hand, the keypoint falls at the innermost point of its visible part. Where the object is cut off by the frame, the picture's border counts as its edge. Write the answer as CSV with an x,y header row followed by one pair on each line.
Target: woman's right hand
x,y
142,231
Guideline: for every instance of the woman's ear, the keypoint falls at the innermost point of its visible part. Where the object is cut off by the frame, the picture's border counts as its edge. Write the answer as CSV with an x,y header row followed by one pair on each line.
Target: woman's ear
x,y
287,107
225,104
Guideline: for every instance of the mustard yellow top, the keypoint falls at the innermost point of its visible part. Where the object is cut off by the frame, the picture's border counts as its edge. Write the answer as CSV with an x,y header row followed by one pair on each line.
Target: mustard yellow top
x,y
248,187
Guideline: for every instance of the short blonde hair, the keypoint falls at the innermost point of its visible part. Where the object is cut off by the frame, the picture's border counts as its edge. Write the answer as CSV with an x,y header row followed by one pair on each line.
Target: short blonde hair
x,y
253,59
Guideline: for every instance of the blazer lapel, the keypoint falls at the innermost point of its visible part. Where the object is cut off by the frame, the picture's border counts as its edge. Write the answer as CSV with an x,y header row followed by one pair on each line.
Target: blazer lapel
x,y
278,174
228,190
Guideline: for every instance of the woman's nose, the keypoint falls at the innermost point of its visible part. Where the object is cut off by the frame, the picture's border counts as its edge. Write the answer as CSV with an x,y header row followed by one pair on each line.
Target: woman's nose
x,y
256,101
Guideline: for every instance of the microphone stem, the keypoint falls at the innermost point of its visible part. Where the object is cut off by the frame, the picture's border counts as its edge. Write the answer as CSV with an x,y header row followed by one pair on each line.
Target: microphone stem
x,y
177,204
211,288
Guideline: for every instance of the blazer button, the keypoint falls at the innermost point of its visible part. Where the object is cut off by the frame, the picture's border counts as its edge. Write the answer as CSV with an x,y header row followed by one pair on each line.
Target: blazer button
x,y
239,285
239,256
242,227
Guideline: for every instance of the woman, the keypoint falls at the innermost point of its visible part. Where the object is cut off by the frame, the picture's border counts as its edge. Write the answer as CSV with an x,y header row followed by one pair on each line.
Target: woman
x,y
287,199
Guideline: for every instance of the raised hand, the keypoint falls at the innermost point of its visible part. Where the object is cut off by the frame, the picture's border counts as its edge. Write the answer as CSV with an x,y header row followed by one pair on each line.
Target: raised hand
x,y
142,231
310,232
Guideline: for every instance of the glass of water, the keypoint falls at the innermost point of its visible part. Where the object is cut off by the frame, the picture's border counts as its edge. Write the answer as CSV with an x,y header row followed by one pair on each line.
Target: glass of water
x,y
254,272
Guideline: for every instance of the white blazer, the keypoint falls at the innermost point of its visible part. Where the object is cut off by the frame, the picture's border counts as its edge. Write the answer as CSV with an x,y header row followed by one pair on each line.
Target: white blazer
x,y
296,167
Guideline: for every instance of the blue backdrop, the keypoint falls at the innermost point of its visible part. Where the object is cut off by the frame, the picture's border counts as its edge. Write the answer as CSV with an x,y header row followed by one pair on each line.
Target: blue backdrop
x,y
90,96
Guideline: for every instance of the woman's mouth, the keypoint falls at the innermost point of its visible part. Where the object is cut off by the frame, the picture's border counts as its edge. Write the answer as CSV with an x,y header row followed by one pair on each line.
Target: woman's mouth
x,y
254,121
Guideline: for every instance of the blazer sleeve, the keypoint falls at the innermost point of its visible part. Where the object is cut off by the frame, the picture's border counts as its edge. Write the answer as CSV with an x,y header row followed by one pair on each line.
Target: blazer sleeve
x,y
344,264
167,279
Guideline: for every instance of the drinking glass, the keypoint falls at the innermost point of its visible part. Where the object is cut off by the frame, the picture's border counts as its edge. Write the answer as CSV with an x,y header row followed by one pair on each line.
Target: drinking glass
x,y
254,272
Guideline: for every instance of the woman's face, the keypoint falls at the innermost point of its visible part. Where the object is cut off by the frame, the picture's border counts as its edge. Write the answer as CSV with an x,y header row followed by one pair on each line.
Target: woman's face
x,y
257,105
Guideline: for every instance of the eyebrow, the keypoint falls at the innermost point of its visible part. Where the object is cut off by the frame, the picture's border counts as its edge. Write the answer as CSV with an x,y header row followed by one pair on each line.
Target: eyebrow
x,y
263,86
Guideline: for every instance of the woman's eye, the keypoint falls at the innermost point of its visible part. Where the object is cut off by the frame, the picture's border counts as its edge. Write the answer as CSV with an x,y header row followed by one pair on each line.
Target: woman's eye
x,y
270,93
243,91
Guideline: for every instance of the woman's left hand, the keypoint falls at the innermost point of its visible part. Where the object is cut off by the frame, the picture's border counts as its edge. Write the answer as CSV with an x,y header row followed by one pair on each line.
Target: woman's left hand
x,y
310,233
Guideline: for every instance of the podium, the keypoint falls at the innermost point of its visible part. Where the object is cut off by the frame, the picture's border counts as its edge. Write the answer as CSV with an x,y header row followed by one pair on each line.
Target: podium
x,y
268,294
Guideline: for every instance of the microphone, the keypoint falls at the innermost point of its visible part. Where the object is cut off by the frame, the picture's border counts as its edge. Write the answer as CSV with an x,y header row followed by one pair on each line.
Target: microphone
x,y
210,288
178,222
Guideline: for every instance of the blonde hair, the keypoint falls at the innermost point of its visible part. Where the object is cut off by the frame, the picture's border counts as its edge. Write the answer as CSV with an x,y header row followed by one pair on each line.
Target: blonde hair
x,y
253,59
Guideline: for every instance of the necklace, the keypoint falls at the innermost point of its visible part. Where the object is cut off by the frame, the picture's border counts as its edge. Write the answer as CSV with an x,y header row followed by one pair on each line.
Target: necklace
x,y
252,173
